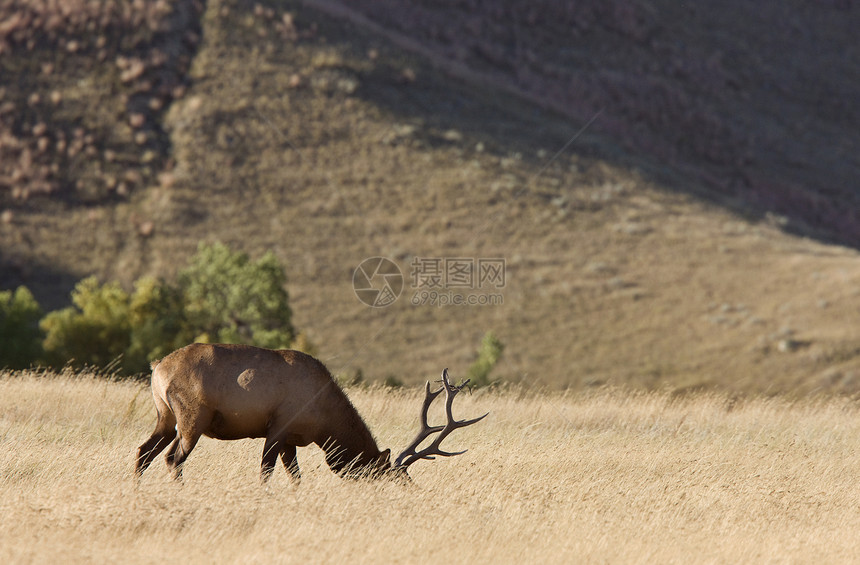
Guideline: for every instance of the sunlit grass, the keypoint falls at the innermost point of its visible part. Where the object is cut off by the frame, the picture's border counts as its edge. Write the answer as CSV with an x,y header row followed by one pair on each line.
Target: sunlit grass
x,y
600,477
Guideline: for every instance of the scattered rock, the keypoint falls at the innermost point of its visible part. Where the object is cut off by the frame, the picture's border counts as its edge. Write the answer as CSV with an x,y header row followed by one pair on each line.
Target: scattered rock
x,y
146,229
136,120
452,135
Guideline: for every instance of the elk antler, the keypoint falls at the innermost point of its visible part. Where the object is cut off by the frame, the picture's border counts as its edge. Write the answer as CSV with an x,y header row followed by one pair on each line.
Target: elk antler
x,y
410,455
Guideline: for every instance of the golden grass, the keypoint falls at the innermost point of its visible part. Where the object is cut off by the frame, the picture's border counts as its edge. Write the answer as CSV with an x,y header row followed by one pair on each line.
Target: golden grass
x,y
549,478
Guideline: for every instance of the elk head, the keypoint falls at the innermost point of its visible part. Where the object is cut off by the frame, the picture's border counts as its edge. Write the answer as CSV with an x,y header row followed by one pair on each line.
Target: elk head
x,y
412,454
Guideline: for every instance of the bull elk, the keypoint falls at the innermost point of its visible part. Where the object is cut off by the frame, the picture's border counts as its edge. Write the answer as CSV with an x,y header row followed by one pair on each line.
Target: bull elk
x,y
288,397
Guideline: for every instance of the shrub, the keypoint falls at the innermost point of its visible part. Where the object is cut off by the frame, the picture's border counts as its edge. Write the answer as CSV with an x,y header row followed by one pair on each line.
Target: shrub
x,y
488,355
221,296
20,336
230,299
94,331
158,323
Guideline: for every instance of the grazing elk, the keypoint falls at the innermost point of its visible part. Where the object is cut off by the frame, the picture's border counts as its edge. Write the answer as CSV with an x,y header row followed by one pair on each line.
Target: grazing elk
x,y
287,397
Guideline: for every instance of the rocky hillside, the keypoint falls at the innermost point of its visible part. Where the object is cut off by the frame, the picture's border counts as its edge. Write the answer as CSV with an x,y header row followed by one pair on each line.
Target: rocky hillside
x,y
672,191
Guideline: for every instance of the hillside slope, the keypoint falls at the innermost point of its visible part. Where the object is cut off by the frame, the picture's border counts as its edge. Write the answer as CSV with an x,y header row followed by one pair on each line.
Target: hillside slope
x,y
326,142
757,102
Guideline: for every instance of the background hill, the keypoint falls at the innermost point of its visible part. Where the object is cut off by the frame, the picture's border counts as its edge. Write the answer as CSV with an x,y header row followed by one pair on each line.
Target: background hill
x,y
673,191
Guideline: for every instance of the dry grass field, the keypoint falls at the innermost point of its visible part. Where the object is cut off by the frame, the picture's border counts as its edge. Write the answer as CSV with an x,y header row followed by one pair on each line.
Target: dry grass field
x,y
602,476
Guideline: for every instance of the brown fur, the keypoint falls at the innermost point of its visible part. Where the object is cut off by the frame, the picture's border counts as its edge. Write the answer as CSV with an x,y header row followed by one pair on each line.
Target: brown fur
x,y
239,391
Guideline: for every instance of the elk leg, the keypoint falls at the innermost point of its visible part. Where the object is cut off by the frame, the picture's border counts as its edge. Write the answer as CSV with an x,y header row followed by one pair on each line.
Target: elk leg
x,y
151,448
180,449
270,458
290,461
165,431
189,429
171,453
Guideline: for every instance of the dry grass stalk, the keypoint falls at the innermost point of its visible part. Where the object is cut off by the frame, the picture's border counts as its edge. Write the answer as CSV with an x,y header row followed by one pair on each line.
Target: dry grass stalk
x,y
554,478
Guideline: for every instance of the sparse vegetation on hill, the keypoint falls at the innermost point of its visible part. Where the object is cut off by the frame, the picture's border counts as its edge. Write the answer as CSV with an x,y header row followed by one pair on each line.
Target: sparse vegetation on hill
x,y
755,101
275,127
488,357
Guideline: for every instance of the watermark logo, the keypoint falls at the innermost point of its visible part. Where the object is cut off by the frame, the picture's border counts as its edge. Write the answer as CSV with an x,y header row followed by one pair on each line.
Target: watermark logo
x,y
377,282
458,272
437,281
457,281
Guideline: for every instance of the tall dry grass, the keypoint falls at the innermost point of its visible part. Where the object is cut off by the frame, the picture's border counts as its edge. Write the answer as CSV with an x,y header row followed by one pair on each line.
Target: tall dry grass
x,y
600,477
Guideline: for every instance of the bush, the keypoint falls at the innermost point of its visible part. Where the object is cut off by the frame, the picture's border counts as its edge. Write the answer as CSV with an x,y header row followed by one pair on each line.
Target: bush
x,y
488,355
158,323
221,296
94,331
20,336
229,299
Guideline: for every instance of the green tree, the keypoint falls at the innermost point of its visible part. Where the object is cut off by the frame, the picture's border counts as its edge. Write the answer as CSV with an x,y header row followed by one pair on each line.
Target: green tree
x,y
221,296
94,331
488,355
20,336
157,323
228,298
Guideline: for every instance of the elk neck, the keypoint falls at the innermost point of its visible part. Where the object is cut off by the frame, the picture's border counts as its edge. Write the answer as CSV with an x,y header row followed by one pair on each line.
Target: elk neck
x,y
346,439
